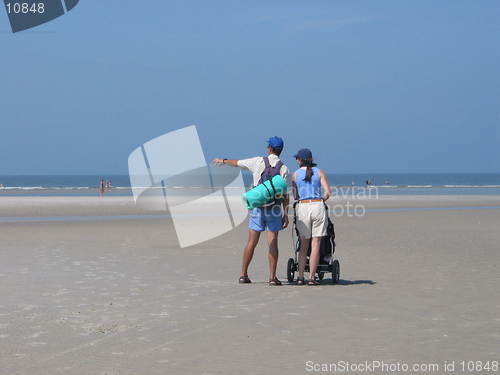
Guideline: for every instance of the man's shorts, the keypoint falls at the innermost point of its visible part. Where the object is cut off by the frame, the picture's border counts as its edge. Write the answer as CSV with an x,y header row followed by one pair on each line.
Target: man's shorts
x,y
312,219
270,219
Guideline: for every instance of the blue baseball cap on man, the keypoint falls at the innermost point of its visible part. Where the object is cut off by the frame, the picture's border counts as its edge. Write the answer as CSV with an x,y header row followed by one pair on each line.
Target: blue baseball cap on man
x,y
276,142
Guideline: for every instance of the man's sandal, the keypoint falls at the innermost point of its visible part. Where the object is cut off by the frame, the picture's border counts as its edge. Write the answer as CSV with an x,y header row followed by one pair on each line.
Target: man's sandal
x,y
274,281
300,281
244,280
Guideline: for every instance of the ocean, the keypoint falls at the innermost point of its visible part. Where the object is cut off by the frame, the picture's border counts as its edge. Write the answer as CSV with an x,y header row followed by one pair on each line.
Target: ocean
x,y
386,184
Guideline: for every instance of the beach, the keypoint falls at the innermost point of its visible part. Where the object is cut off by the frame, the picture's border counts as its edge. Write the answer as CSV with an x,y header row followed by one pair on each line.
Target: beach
x,y
98,285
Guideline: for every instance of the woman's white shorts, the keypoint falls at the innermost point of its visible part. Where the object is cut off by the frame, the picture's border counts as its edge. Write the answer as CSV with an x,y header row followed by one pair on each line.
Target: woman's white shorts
x,y
312,219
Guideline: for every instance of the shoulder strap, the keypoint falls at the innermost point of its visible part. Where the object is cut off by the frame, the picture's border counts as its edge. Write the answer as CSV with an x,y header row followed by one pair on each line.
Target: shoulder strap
x,y
268,170
266,162
279,165
266,166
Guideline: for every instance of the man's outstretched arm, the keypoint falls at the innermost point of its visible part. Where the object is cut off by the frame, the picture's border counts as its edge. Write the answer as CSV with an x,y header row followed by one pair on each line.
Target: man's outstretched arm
x,y
230,162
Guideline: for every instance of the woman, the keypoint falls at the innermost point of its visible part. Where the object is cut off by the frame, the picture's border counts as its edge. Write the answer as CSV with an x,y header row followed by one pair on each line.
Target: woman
x,y
312,220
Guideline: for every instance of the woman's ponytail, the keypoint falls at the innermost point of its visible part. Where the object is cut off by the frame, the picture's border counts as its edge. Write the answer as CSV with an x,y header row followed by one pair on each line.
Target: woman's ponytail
x,y
309,171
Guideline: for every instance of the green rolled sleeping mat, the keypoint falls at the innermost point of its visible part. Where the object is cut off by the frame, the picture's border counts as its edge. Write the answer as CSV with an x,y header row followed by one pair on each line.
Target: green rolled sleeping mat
x,y
265,193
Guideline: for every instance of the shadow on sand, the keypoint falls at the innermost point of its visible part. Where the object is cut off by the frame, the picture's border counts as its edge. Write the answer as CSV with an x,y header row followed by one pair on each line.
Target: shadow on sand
x,y
356,282
341,282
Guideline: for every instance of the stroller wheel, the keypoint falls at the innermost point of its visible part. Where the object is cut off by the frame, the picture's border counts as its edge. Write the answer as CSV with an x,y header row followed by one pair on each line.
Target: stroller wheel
x,y
335,272
290,270
321,275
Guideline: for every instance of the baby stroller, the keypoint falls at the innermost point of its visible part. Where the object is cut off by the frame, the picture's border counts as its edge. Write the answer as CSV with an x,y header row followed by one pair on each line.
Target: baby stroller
x,y
327,263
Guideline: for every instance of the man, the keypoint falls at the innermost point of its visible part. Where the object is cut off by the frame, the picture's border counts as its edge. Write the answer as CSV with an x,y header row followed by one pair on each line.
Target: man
x,y
271,218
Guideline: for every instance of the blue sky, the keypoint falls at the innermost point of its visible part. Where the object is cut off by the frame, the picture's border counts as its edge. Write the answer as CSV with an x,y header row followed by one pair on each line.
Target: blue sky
x,y
368,86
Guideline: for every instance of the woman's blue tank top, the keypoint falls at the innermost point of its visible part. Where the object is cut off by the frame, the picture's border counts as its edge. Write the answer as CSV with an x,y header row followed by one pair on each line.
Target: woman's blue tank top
x,y
308,189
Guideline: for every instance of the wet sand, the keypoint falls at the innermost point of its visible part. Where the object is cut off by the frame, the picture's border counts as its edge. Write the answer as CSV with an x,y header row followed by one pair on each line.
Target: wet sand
x,y
96,286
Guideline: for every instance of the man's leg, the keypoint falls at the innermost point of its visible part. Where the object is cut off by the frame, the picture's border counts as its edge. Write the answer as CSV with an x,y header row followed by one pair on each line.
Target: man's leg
x,y
272,241
253,240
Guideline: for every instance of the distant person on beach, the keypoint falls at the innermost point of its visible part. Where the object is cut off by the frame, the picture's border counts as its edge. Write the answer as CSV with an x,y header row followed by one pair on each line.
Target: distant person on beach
x,y
368,183
312,217
108,185
271,218
101,187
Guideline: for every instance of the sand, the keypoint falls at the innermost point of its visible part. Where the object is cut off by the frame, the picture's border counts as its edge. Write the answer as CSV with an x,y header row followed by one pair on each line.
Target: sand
x,y
96,286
